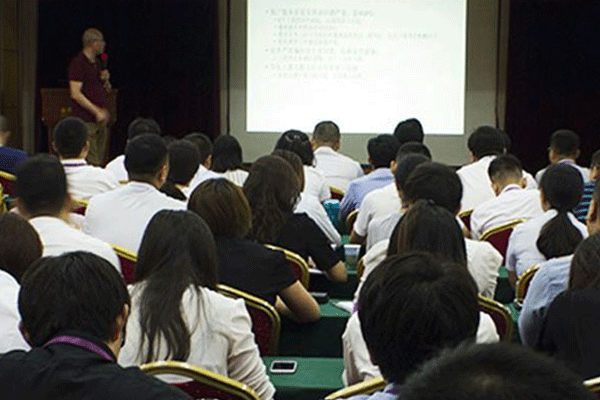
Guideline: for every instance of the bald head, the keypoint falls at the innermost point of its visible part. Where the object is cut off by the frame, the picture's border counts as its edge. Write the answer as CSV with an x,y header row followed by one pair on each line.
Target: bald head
x,y
90,36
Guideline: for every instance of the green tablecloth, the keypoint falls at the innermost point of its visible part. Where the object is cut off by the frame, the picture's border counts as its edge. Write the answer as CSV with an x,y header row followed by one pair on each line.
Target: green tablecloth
x,y
314,378
505,293
320,339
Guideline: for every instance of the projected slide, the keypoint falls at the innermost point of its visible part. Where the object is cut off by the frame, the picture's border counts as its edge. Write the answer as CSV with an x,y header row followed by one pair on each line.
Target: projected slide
x,y
366,64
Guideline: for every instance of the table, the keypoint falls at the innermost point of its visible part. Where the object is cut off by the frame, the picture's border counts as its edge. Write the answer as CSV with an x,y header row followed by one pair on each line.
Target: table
x,y
314,378
505,293
320,339
320,283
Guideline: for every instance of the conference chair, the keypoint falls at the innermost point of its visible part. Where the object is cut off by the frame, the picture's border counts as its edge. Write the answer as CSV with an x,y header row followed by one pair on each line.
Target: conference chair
x,y
498,236
593,385
297,263
79,206
523,284
204,384
366,387
505,325
350,220
336,193
3,207
128,260
266,324
8,183
360,268
465,217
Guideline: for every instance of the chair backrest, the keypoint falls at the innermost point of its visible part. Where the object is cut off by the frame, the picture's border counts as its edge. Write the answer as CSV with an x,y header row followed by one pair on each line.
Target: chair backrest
x,y
79,206
336,193
350,220
500,315
3,207
523,285
8,183
128,260
204,384
297,263
266,324
360,268
593,385
498,236
366,387
465,217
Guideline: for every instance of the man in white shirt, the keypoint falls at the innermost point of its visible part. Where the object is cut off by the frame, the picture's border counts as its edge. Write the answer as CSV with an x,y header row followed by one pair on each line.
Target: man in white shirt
x,y
44,201
485,143
71,143
120,217
564,149
512,201
138,126
205,147
337,168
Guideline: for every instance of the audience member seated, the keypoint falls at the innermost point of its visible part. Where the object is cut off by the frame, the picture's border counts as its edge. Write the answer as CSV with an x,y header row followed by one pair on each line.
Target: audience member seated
x,y
9,156
227,159
425,227
569,331
410,308
74,309
439,183
512,201
498,371
382,150
337,168
121,216
409,130
309,204
581,210
184,159
272,190
560,192
138,126
244,264
71,143
382,202
176,314
299,143
205,147
20,246
564,149
43,199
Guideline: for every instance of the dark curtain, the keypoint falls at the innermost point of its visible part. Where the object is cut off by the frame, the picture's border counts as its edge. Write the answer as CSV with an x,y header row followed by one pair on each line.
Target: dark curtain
x,y
553,76
163,58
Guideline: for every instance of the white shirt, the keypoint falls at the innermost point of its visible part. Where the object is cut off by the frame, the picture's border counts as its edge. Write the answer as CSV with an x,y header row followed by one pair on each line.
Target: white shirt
x,y
512,203
357,361
58,237
381,228
9,315
201,175
237,176
477,185
522,252
314,183
337,168
85,181
378,203
120,216
221,338
310,205
585,172
117,168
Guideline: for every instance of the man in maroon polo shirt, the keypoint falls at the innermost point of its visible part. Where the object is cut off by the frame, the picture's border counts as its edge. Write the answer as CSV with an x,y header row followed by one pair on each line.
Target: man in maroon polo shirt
x,y
88,86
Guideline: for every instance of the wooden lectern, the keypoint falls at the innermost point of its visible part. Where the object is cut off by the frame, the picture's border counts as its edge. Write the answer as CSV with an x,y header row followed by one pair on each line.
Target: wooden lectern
x,y
56,105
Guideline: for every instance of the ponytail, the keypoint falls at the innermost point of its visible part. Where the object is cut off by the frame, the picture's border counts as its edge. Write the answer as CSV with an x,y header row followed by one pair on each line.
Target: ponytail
x,y
171,190
558,237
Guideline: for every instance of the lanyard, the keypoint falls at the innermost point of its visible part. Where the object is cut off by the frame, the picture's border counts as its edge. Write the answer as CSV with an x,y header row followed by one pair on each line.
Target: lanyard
x,y
81,343
82,164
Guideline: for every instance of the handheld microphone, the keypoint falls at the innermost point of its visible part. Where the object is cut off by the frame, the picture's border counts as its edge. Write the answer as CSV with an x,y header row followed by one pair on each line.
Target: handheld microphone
x,y
103,61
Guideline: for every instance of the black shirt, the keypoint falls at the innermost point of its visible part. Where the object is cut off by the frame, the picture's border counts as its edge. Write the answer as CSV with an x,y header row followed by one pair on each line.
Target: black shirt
x,y
301,235
253,268
64,371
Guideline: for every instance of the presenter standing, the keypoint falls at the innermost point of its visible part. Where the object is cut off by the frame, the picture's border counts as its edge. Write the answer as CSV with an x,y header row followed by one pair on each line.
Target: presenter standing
x,y
88,86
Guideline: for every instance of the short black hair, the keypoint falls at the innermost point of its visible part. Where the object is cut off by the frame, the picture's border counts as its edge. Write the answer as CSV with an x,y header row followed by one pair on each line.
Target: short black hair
x,y
412,148
184,160
227,154
75,291
412,306
505,166
382,150
409,130
144,155
70,136
565,142
497,371
41,185
436,182
299,143
326,132
141,126
595,159
406,165
486,141
205,146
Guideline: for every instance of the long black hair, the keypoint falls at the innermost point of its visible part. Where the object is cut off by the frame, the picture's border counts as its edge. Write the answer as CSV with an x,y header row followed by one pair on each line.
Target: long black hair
x,y
227,154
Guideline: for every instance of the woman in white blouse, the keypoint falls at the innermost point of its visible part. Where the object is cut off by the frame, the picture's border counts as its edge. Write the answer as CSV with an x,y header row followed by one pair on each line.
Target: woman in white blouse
x,y
227,159
177,315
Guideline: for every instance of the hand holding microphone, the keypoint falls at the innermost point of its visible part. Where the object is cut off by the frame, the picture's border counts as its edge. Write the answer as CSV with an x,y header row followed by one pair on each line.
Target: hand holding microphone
x,y
104,74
